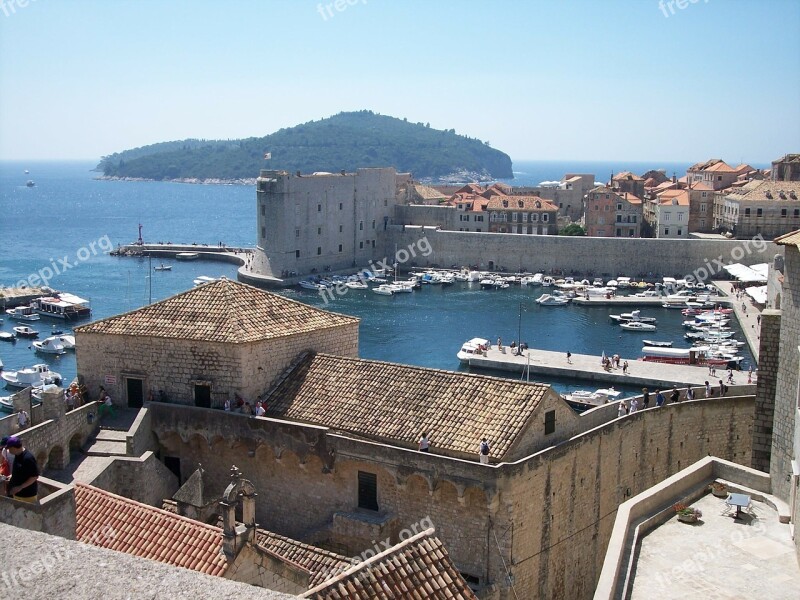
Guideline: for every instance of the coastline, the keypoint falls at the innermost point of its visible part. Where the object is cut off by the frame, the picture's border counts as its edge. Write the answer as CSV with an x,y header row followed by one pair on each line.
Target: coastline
x,y
194,180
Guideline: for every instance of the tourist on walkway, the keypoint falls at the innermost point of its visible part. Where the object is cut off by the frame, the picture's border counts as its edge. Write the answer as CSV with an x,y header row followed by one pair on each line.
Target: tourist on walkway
x,y
625,368
22,419
722,388
483,451
622,410
260,412
645,398
675,396
689,392
25,472
569,357
227,406
708,390
634,405
730,376
660,398
500,344
424,443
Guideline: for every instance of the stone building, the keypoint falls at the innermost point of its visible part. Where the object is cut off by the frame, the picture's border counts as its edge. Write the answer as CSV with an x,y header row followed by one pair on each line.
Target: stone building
x,y
522,214
671,214
612,214
786,168
307,223
715,173
628,182
769,208
221,341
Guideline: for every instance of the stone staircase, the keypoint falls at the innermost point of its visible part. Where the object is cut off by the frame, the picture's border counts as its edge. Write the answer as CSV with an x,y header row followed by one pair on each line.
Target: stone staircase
x,y
109,442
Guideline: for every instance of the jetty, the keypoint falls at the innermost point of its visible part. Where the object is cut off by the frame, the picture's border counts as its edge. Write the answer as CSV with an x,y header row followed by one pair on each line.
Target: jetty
x,y
587,367
633,300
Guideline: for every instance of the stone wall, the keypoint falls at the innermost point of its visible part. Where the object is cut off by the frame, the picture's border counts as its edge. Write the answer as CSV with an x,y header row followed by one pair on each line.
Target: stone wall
x,y
144,479
51,441
542,515
255,566
53,514
768,365
632,257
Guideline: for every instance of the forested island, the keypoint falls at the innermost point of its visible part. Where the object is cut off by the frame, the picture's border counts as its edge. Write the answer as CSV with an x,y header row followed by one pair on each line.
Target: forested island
x,y
346,141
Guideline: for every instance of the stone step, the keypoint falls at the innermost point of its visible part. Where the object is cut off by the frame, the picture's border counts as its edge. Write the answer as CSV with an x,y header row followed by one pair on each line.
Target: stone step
x,y
111,435
107,448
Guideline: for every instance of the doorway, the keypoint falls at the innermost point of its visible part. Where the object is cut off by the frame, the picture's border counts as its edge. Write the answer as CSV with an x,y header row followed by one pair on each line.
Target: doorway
x,y
202,395
135,391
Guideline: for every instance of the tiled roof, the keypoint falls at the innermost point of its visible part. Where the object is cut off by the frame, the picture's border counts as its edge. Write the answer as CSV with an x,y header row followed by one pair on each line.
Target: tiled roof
x,y
626,175
321,563
679,196
789,239
110,521
720,167
525,203
702,186
427,193
768,191
416,569
702,166
396,402
222,311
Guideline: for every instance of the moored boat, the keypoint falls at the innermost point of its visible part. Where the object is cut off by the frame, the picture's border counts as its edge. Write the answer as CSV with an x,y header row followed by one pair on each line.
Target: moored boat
x,y
657,344
548,300
50,345
637,326
22,313
7,337
68,307
583,399
203,279
162,267
31,376
25,331
383,290
187,255
470,348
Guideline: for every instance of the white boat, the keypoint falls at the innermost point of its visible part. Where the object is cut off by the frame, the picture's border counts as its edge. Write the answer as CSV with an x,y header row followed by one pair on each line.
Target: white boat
x,y
461,276
68,341
548,300
311,285
7,337
476,276
400,288
623,282
162,267
50,345
25,331
22,313
203,279
637,326
30,376
384,290
548,281
632,316
356,285
582,399
471,348
647,294
187,255
657,343
612,283
62,306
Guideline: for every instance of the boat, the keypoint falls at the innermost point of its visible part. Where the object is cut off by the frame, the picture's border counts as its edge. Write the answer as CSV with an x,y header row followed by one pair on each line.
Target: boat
x,y
547,281
623,282
68,341
49,345
632,316
162,267
677,356
68,307
22,313
548,300
203,279
356,285
657,344
637,326
187,255
583,399
647,294
471,348
384,290
401,288
30,183
7,337
311,285
30,376
7,404
25,331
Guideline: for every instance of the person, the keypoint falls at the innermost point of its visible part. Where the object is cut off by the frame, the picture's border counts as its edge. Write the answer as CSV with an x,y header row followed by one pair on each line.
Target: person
x,y
569,357
634,405
227,406
483,451
260,412
708,390
645,398
758,319
730,376
750,374
248,410
625,368
22,419
709,371
689,392
424,443
622,409
6,464
25,472
722,388
69,397
713,370
500,344
660,398
675,396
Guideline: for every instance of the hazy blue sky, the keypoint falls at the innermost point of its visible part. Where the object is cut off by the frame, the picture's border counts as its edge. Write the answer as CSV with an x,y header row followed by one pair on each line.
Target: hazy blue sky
x,y
577,79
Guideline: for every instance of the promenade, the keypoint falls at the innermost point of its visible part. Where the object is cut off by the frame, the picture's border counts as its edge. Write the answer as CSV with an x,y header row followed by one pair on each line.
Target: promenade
x,y
749,317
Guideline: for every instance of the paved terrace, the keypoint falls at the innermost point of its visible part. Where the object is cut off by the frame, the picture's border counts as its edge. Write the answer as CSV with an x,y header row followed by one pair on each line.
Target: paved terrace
x,y
748,319
719,557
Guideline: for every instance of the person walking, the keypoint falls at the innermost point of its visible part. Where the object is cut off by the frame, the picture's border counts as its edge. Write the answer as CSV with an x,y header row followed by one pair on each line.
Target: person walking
x,y
23,484
689,392
708,390
645,398
625,368
569,357
660,398
634,405
622,410
424,443
22,419
483,451
675,396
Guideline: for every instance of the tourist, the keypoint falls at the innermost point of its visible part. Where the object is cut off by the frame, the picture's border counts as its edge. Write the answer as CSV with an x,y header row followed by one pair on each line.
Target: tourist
x,y
634,405
645,398
722,388
248,410
708,390
227,406
5,455
675,396
713,371
689,392
500,344
622,409
758,318
710,374
660,398
483,451
24,474
730,376
569,357
5,470
22,419
260,412
424,443
625,368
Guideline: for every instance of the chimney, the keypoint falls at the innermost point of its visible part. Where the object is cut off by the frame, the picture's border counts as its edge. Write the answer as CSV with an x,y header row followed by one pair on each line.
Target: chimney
x,y
235,537
674,178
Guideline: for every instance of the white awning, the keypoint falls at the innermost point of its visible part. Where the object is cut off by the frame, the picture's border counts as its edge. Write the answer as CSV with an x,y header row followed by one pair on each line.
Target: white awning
x,y
758,294
748,274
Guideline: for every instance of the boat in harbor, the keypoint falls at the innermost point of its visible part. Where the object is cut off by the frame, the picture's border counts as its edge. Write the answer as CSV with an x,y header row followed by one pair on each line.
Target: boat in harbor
x,y
311,285
25,331
384,290
162,267
400,288
549,300
637,326
68,341
31,376
22,313
187,255
632,316
471,348
657,344
356,285
49,345
203,279
584,400
7,337
68,307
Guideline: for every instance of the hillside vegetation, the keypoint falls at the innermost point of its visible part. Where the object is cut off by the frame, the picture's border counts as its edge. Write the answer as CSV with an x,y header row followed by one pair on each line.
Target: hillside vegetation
x,y
345,141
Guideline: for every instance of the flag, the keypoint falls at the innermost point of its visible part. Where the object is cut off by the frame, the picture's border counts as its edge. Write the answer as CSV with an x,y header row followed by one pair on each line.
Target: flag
x,y
267,155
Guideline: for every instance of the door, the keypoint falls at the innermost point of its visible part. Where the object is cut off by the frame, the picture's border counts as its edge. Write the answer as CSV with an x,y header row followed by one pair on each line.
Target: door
x,y
202,395
135,391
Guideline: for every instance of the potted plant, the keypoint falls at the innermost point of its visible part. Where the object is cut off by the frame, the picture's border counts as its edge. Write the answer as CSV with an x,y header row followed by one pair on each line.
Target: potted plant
x,y
687,514
720,490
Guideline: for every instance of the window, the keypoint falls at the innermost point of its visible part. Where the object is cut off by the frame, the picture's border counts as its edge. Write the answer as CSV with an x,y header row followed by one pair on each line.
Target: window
x,y
719,177
606,207
263,231
783,212
619,206
666,230
796,212
680,217
631,232
702,222
373,243
480,218
340,247
633,219
619,232
545,218
666,216
340,229
373,223
679,231
746,212
385,202
524,217
361,225
703,208
319,250
263,210
297,232
367,491
319,230
597,207
340,206
514,217
360,245
619,218
319,207
297,253
759,212
549,422
703,195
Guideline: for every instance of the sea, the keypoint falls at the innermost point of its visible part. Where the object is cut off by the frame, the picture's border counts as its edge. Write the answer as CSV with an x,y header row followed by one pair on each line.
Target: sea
x,y
63,227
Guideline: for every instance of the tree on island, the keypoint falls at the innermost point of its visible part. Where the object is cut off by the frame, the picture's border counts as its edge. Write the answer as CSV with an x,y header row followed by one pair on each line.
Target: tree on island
x,y
572,229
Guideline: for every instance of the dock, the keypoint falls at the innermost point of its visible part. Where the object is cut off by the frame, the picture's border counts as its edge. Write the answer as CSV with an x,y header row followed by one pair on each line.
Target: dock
x,y
623,301
652,375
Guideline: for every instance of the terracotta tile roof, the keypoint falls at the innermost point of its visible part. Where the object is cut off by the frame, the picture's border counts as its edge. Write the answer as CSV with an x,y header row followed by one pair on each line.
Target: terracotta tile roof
x,y
428,193
148,532
394,402
416,569
701,186
681,197
702,166
322,564
470,188
630,198
523,203
222,311
720,167
767,191
626,175
789,239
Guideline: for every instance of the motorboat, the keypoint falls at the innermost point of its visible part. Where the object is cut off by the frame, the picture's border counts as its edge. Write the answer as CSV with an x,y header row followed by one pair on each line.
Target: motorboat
x,y
632,316
203,279
612,283
677,356
637,326
657,344
384,290
531,280
187,255
471,348
30,183
400,288
623,282
22,313
68,341
30,376
50,345
7,337
68,307
647,294
549,300
548,281
162,267
356,285
25,331
583,399
311,285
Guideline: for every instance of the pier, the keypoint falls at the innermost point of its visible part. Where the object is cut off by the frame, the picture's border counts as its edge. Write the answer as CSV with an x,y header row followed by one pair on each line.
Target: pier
x,y
623,301
652,375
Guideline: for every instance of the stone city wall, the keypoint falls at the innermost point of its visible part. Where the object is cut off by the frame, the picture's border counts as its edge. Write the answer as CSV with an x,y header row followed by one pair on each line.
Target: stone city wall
x,y
53,514
144,479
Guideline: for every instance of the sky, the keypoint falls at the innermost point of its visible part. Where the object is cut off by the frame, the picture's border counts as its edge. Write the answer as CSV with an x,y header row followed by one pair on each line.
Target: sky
x,y
668,80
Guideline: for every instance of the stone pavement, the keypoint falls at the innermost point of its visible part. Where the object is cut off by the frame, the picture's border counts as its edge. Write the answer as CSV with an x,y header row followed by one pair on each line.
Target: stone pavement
x,y
718,557
748,316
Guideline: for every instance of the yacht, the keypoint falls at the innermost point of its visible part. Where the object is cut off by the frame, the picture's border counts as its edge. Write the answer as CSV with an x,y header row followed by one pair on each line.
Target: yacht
x,y
50,345
384,290
548,300
22,313
471,348
31,376
637,326
632,316
583,400
356,285
25,331
68,307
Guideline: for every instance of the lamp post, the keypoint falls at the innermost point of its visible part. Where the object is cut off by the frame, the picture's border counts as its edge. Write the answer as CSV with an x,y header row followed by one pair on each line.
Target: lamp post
x,y
519,331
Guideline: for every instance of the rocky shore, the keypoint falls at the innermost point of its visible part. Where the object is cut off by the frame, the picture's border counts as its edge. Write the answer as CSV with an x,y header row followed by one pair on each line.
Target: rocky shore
x,y
210,181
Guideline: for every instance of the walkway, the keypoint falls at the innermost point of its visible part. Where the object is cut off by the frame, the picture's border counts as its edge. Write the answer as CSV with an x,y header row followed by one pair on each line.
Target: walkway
x,y
748,319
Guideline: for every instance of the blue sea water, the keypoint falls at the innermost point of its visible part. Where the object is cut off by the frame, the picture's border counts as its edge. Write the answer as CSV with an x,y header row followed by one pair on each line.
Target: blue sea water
x,y
68,213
